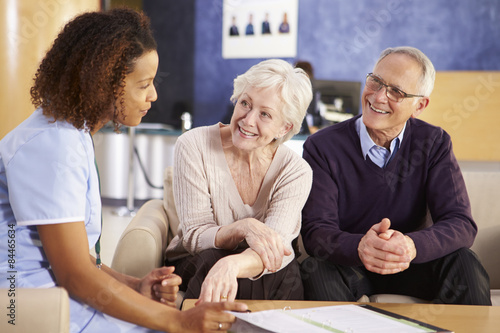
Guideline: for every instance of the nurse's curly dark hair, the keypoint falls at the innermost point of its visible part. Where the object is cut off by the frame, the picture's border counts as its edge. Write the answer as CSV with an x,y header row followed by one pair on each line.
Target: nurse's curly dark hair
x,y
80,80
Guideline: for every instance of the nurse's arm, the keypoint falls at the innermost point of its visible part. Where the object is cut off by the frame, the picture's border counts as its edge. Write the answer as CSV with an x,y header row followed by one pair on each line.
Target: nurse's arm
x,y
66,247
160,284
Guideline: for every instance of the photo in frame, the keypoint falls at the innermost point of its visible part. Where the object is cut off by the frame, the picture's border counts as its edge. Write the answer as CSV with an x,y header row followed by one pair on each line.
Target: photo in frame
x,y
259,29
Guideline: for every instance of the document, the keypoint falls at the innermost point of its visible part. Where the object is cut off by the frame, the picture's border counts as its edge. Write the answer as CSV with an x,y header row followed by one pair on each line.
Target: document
x,y
338,318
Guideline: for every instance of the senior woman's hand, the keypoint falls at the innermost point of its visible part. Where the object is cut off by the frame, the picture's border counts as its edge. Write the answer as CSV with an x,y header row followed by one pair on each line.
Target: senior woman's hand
x,y
221,283
266,242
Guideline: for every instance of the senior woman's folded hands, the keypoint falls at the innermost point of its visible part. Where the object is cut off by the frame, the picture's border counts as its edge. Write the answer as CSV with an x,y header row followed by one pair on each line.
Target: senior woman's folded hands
x,y
221,283
266,251
266,242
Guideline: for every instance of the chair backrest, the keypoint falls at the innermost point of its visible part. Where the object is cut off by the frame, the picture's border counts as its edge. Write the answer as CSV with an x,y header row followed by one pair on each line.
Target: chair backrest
x,y
169,203
484,193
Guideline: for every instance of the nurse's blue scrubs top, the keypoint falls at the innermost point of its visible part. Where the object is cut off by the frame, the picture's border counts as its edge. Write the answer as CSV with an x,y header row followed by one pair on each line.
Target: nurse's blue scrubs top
x,y
47,176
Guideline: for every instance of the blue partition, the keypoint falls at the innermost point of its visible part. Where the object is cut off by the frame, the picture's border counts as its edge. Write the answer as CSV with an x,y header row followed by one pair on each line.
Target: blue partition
x,y
342,39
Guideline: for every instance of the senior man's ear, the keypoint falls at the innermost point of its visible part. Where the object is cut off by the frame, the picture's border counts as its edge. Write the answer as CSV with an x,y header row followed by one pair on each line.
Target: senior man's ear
x,y
420,106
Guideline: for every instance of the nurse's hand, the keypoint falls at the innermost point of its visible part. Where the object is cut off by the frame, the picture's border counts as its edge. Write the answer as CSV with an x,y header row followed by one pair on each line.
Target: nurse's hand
x,y
209,317
161,285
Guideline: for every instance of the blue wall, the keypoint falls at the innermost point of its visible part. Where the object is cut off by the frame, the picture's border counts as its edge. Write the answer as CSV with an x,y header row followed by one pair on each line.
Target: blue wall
x,y
342,39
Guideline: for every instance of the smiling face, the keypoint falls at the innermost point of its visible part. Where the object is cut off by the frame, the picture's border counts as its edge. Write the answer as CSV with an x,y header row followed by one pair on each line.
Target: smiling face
x,y
139,91
383,117
257,119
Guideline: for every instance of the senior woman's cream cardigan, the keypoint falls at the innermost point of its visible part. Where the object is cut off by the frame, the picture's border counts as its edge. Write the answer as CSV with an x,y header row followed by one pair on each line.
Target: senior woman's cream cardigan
x,y
206,196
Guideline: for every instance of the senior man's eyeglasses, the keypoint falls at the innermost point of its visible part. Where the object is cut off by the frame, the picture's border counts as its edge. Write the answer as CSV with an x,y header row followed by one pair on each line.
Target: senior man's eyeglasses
x,y
393,93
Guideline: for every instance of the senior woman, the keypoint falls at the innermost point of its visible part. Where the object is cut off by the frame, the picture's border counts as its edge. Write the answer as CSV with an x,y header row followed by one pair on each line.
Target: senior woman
x,y
239,192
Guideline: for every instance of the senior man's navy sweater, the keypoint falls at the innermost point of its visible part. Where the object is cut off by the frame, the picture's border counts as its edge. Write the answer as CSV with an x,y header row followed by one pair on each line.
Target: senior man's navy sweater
x,y
351,193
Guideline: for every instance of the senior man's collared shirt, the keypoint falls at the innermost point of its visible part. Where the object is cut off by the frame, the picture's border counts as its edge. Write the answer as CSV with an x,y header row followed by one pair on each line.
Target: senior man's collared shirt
x,y
381,156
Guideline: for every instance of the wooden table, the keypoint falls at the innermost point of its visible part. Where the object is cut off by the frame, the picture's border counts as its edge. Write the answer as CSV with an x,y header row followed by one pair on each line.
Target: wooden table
x,y
456,318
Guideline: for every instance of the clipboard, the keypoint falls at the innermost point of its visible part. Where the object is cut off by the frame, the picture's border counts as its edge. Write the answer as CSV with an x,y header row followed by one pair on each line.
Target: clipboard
x,y
352,318
403,318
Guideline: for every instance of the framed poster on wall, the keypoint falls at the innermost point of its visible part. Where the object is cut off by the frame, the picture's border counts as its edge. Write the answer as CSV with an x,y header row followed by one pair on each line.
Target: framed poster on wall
x,y
259,29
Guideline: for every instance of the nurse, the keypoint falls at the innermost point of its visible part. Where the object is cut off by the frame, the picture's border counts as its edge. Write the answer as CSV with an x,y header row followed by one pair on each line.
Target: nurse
x,y
100,69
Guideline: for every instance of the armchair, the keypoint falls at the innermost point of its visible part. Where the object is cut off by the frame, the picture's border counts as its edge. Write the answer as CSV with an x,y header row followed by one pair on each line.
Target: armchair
x,y
35,310
141,247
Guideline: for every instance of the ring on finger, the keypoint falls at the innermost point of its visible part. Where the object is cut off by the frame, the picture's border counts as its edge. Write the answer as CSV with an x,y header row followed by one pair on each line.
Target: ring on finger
x,y
220,326
223,297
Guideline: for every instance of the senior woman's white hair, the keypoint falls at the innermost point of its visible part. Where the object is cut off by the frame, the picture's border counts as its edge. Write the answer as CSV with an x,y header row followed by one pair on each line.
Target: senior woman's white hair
x,y
293,86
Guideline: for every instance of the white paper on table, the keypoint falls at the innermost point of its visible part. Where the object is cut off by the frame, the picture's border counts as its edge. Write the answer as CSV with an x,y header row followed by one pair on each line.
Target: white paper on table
x,y
338,318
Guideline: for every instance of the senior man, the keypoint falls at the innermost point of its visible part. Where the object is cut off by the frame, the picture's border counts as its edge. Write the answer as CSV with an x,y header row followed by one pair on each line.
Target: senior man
x,y
388,211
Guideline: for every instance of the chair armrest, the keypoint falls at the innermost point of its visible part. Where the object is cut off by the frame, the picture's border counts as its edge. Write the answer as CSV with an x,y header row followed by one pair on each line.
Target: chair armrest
x,y
141,247
35,310
482,188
